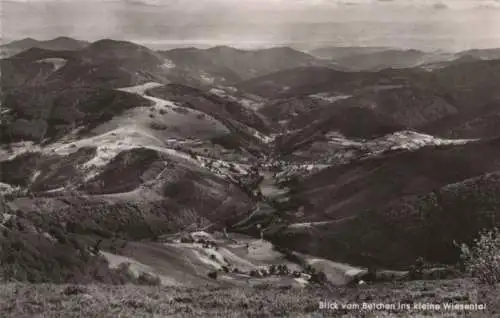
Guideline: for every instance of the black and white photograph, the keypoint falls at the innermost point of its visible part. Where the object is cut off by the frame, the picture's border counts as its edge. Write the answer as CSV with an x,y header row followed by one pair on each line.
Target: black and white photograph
x,y
249,158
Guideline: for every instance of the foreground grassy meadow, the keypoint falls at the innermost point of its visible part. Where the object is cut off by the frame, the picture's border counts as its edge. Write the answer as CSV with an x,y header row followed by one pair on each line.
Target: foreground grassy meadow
x,y
26,300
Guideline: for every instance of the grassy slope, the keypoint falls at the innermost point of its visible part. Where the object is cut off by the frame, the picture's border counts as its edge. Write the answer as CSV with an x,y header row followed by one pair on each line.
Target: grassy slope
x,y
23,300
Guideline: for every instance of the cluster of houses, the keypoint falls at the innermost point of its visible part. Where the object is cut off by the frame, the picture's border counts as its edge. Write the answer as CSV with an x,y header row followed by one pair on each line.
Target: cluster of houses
x,y
314,276
308,273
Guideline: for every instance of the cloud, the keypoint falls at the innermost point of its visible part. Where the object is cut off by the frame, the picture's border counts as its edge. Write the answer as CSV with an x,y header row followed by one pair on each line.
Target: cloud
x,y
154,3
440,6
448,4
57,1
309,4
452,4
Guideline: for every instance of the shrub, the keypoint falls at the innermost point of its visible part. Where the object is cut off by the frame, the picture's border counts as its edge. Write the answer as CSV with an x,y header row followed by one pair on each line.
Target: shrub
x,y
187,239
212,275
74,290
158,126
231,141
181,110
482,259
272,269
148,279
283,269
319,277
416,270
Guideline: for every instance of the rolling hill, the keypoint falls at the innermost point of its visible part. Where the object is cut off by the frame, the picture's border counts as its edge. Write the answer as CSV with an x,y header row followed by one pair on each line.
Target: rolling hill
x,y
61,43
220,166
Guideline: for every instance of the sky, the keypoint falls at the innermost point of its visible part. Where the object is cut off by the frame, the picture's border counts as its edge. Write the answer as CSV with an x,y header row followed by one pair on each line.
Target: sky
x,y
422,24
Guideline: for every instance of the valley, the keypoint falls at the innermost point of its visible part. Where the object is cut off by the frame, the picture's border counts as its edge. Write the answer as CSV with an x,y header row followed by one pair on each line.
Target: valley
x,y
227,168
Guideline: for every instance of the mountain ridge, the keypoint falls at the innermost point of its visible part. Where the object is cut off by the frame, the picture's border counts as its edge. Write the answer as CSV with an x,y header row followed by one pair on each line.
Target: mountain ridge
x,y
275,155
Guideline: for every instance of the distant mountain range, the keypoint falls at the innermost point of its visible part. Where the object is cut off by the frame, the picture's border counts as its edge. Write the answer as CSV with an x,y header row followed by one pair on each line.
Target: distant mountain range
x,y
377,58
57,44
343,159
344,58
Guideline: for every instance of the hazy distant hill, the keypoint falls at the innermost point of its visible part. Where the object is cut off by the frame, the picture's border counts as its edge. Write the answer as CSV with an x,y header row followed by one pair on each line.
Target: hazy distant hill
x,y
486,54
223,64
106,63
56,44
376,58
334,53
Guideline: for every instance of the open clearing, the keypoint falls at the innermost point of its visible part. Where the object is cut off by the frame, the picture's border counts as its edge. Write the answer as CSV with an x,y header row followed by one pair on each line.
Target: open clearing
x,y
188,264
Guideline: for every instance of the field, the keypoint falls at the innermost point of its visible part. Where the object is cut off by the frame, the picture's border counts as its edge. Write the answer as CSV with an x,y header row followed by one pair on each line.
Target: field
x,y
25,300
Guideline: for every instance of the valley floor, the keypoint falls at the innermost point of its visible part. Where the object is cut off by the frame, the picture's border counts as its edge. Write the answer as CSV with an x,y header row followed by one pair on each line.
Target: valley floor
x,y
26,300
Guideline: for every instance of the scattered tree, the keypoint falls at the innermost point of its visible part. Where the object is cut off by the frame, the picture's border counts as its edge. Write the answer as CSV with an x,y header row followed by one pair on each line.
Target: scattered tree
x,y
482,259
416,270
319,277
